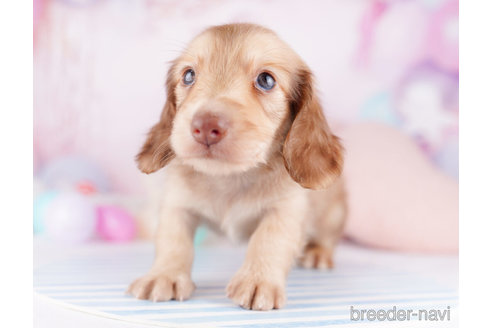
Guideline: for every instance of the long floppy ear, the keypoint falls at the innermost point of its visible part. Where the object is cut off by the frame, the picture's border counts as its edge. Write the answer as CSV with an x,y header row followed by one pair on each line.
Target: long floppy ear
x,y
156,151
313,156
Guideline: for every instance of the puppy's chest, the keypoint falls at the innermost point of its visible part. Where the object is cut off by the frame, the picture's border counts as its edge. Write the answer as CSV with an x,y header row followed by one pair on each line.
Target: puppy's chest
x,y
234,207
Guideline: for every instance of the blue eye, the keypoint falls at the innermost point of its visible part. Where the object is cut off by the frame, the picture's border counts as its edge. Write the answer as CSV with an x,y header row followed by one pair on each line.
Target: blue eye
x,y
265,81
189,77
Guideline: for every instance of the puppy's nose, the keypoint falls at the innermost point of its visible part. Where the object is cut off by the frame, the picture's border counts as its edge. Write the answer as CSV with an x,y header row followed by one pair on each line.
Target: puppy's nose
x,y
208,128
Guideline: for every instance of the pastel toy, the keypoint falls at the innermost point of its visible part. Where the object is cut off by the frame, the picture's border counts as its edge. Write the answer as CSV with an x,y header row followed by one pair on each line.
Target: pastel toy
x,y
41,203
397,199
70,218
427,101
115,224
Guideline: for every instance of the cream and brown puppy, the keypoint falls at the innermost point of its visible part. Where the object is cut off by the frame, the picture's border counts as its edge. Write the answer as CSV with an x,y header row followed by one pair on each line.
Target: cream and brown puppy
x,y
245,144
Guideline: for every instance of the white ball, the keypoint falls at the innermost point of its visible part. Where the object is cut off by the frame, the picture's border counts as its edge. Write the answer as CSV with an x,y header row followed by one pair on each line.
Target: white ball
x,y
70,218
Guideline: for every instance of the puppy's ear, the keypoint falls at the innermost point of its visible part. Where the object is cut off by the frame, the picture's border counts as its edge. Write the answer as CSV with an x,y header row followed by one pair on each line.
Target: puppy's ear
x,y
156,151
313,156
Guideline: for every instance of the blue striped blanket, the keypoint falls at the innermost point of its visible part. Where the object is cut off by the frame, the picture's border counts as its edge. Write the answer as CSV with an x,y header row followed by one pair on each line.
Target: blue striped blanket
x,y
94,278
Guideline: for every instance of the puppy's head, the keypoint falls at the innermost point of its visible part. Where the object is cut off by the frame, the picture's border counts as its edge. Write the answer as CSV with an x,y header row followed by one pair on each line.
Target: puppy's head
x,y
237,98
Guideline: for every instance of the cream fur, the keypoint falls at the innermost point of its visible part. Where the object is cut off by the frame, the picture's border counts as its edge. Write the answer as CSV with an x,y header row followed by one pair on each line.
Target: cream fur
x,y
244,186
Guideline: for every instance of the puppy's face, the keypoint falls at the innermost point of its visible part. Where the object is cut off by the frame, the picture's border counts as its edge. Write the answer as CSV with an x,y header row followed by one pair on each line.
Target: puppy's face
x,y
231,92
237,96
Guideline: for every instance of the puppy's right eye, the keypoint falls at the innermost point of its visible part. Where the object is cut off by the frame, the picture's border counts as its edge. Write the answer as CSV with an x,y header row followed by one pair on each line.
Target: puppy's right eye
x,y
189,77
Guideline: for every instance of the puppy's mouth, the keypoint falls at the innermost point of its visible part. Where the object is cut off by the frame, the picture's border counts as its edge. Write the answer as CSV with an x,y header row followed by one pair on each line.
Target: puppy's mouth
x,y
229,156
206,151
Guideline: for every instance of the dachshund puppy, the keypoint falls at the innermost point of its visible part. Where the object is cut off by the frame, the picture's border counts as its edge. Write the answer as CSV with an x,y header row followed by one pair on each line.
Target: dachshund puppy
x,y
247,151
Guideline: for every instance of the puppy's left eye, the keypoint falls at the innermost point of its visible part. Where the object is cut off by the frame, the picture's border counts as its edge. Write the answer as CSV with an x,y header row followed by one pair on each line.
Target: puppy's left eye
x,y
189,77
265,81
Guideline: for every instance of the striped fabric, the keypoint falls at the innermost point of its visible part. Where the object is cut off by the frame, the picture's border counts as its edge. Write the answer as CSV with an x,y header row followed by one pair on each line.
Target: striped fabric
x,y
93,280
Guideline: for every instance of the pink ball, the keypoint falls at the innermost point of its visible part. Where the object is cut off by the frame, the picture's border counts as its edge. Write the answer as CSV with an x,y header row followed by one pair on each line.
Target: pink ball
x,y
115,224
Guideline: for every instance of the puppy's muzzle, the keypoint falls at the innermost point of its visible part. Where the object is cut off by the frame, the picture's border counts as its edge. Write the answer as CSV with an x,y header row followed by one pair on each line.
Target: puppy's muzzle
x,y
209,128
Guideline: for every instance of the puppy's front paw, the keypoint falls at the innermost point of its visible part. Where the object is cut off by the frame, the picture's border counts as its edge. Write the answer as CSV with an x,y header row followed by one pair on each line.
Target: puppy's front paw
x,y
256,293
162,287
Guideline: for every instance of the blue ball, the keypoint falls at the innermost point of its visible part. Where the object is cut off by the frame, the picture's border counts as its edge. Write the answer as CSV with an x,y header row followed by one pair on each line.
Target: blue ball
x,y
41,203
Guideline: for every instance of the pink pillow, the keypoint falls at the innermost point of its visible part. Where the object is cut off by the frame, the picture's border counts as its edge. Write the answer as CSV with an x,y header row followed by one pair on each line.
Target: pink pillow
x,y
397,199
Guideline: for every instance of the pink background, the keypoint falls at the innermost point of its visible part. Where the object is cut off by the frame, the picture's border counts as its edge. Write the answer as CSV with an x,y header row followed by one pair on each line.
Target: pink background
x,y
99,69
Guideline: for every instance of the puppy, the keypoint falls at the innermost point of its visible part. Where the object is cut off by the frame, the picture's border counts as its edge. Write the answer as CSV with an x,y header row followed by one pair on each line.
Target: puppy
x,y
245,144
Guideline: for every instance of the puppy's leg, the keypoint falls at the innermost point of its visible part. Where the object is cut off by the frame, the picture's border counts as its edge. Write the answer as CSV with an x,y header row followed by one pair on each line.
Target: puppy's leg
x,y
170,275
318,256
260,282
325,232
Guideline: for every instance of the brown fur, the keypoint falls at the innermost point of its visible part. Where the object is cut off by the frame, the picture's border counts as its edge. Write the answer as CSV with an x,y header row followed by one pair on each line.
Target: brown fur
x,y
157,152
252,184
313,155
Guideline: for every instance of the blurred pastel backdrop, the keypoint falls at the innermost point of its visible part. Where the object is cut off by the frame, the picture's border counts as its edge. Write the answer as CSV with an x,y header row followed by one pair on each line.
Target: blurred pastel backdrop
x,y
99,70
100,66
